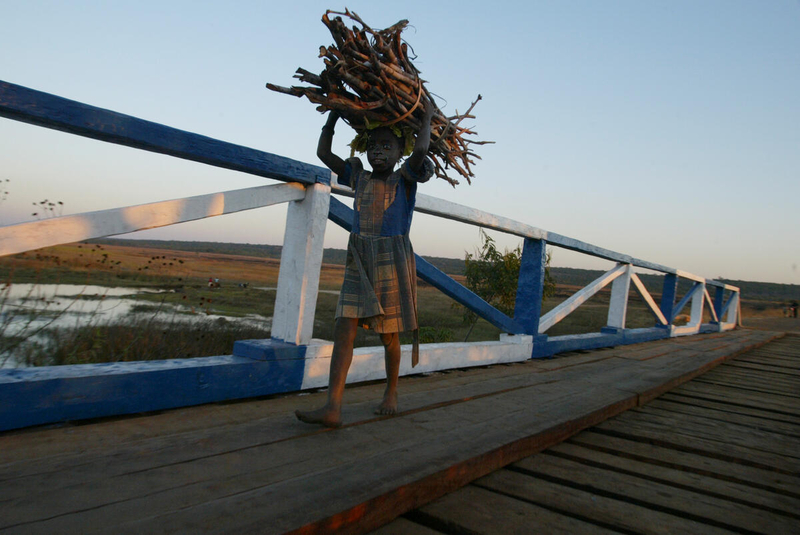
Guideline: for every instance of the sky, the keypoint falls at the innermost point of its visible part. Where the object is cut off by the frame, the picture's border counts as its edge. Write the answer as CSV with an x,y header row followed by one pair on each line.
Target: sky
x,y
665,130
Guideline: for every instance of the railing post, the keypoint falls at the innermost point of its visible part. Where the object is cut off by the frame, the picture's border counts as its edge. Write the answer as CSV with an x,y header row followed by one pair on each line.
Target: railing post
x,y
698,300
719,302
668,296
618,305
301,261
733,315
530,286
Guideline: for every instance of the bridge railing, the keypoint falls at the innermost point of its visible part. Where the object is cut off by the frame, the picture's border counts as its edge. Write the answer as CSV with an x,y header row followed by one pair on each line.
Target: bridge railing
x,y
291,359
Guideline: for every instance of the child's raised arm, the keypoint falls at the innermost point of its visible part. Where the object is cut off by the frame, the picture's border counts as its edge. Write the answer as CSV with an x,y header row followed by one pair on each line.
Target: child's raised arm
x,y
333,162
423,141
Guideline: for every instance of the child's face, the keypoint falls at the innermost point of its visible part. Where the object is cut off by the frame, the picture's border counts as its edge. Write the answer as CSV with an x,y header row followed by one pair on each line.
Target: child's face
x,y
383,150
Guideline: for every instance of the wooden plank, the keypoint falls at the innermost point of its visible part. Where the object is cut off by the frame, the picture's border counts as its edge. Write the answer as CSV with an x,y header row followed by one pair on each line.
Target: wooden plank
x,y
744,384
141,455
779,363
50,111
776,384
701,404
651,493
741,493
753,363
758,378
676,439
237,473
756,371
402,526
249,477
680,459
679,410
748,365
474,509
73,228
727,432
407,478
662,374
785,348
735,396
583,504
210,424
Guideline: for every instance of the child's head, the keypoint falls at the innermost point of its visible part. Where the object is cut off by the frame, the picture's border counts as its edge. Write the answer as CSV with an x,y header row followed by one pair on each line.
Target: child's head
x,y
403,136
384,149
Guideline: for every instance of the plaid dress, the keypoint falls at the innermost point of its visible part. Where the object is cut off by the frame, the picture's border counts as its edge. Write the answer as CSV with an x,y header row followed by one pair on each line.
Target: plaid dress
x,y
380,284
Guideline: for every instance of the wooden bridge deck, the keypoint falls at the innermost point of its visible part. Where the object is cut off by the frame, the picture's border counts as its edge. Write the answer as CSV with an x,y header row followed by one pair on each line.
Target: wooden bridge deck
x,y
719,454
251,467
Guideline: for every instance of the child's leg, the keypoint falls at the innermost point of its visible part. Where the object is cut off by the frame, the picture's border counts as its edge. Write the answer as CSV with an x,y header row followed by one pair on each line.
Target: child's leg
x,y
391,346
331,414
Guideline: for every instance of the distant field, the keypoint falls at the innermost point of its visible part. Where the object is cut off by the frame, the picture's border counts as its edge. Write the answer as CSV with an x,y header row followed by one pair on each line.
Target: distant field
x,y
187,272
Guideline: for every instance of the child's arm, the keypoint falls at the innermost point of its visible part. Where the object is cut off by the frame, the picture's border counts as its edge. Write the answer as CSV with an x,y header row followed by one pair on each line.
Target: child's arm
x,y
417,159
333,162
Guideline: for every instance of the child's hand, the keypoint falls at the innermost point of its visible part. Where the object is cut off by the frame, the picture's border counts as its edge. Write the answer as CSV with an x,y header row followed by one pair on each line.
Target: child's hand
x,y
334,163
430,109
333,116
422,143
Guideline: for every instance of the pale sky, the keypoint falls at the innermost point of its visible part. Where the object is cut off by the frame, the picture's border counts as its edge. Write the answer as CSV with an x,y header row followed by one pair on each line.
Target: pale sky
x,y
666,130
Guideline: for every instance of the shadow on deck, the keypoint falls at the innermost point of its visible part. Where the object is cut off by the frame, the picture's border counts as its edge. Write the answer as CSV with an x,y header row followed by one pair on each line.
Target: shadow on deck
x,y
251,467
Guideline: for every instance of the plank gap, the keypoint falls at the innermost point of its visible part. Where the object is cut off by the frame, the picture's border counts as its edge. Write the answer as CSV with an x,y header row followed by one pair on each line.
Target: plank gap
x,y
604,466
628,499
730,402
696,451
732,384
566,513
675,466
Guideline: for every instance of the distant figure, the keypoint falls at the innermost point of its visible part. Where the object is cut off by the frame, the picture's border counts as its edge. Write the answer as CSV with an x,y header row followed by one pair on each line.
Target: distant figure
x,y
794,309
213,283
244,284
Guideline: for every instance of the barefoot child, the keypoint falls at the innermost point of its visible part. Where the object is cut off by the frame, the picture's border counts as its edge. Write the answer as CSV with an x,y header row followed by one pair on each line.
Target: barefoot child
x,y
379,290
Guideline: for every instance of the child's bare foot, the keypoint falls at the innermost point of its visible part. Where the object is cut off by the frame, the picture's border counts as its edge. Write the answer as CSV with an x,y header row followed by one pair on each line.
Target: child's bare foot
x,y
324,416
388,405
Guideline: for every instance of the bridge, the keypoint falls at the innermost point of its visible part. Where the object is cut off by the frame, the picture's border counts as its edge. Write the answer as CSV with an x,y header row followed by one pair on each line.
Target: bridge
x,y
238,458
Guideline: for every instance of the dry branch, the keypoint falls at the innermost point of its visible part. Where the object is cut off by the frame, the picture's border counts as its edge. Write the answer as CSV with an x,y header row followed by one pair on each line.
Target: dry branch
x,y
370,80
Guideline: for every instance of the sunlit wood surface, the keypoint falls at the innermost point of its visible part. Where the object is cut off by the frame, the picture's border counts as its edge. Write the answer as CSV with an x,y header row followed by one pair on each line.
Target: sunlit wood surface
x,y
719,454
251,467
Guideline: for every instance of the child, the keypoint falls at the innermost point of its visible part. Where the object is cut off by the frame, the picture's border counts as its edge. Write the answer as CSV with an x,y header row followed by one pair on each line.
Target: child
x,y
379,289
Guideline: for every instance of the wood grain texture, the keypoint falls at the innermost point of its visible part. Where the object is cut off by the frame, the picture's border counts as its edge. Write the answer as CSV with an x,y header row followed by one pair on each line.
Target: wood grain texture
x,y
252,467
679,463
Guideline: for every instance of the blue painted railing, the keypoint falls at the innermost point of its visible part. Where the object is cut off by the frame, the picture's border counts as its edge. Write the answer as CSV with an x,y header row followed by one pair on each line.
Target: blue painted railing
x,y
291,360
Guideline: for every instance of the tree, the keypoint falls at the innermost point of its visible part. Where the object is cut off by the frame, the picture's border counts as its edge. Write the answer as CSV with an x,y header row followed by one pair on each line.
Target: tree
x,y
493,276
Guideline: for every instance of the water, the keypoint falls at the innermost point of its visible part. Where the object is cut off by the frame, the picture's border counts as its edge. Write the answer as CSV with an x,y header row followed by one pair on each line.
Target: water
x,y
30,309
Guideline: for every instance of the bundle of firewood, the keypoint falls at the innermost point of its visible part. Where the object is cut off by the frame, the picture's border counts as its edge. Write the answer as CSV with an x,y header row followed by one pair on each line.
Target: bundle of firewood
x,y
370,80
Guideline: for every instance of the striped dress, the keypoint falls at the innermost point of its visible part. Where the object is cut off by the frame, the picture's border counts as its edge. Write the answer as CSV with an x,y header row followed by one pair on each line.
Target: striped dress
x,y
380,285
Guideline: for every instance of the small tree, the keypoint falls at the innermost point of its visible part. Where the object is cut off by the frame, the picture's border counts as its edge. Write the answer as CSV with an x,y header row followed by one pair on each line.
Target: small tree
x,y
493,276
